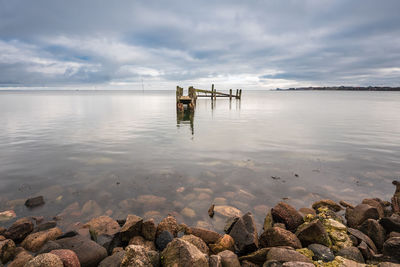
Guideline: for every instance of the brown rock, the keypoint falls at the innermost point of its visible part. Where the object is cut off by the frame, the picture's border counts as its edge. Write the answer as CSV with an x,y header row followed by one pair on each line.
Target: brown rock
x,y
168,224
244,233
91,208
363,237
7,250
227,211
34,202
284,255
396,198
196,241
375,231
248,264
307,211
297,264
19,230
103,225
258,257
182,253
35,241
132,227
114,260
288,215
135,256
313,232
45,260
332,205
229,259
21,259
208,236
391,248
377,204
277,236
67,256
140,241
226,242
359,214
346,204
215,261
351,253
149,230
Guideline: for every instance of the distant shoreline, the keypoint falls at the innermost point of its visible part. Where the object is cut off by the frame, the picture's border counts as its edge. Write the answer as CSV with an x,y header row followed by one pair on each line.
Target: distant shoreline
x,y
342,88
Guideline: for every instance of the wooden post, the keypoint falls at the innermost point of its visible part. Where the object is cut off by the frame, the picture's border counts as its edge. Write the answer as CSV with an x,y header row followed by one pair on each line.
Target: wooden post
x,y
237,93
240,94
230,94
212,92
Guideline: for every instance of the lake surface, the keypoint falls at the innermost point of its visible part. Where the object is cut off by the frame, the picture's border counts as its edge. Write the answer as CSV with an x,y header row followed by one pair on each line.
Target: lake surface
x,y
100,152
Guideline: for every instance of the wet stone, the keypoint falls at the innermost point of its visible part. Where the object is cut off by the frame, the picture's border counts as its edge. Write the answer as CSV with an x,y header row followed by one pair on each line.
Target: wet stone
x,y
363,237
19,229
245,235
321,252
359,214
313,232
163,239
34,202
351,253
288,215
229,224
277,236
45,226
391,224
391,248
7,250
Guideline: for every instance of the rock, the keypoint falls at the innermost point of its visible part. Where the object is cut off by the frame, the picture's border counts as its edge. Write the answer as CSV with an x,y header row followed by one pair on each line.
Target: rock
x,y
367,253
272,263
20,259
181,253
248,264
391,224
257,257
225,242
313,232
44,226
19,230
196,241
337,233
140,241
229,259
346,204
163,239
307,211
377,204
284,255
363,237
151,202
208,236
351,253
388,264
131,228
91,208
89,252
113,260
67,256
188,212
103,225
375,231
45,260
393,234
168,224
229,224
244,233
280,225
284,213
34,202
7,250
359,214
215,261
7,215
297,264
277,236
211,211
105,241
321,252
396,198
68,234
391,248
227,211
135,256
154,257
149,230
35,241
332,205
343,262
49,246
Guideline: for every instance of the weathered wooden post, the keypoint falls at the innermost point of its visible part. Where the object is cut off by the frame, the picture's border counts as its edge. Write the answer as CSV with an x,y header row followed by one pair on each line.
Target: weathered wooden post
x,y
237,93
240,94
230,94
212,91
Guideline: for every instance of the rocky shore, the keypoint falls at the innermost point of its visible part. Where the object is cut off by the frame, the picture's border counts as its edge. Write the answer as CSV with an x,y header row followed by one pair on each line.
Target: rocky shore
x,y
326,234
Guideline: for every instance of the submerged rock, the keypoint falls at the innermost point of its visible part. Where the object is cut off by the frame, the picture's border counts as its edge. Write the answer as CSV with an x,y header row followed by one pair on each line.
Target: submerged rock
x,y
34,202
227,211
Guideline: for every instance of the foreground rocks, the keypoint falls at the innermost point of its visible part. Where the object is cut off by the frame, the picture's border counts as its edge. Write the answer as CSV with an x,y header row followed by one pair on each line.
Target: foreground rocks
x,y
365,234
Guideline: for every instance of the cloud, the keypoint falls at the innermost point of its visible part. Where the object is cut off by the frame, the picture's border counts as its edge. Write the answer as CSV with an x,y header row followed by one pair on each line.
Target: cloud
x,y
262,44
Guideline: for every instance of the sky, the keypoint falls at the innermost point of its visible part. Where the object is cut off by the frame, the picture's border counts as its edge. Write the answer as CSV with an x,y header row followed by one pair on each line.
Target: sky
x,y
233,44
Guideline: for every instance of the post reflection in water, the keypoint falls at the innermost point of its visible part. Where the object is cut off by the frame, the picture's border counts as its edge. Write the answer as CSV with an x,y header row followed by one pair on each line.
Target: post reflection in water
x,y
185,116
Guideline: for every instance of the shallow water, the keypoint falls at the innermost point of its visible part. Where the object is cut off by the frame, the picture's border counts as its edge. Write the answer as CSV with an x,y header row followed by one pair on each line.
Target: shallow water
x,y
130,152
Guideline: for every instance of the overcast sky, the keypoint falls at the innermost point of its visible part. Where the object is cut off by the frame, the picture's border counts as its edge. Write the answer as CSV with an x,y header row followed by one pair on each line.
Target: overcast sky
x,y
239,44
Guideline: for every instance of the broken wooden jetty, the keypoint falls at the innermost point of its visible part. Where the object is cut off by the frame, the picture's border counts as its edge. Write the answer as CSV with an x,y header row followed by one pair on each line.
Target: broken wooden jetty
x,y
193,93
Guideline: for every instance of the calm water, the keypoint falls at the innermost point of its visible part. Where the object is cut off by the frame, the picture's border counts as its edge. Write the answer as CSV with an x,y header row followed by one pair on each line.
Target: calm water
x,y
130,152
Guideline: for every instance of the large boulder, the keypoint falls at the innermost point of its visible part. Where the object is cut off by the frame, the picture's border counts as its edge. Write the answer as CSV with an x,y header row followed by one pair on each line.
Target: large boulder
x,y
284,213
229,259
313,232
284,255
391,248
277,236
359,214
244,233
375,231
35,241
19,230
332,205
131,228
7,250
89,252
103,225
45,260
181,253
67,256
135,256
